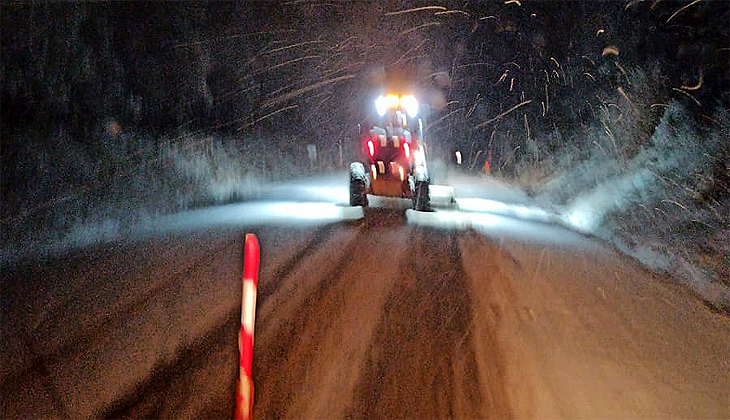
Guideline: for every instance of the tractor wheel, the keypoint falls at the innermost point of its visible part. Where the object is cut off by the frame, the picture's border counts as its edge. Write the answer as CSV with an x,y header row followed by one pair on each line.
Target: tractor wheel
x,y
421,198
358,185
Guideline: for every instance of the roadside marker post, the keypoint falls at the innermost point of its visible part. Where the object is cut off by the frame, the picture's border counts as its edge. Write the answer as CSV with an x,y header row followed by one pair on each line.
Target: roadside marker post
x,y
244,389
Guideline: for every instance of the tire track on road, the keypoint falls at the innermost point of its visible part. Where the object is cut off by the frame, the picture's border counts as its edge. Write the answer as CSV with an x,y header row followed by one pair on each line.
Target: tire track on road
x,y
421,363
114,321
281,363
267,286
491,271
337,344
161,394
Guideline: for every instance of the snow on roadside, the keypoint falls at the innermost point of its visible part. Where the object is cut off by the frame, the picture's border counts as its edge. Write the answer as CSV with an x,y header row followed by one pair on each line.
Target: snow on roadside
x,y
306,201
665,207
587,211
89,198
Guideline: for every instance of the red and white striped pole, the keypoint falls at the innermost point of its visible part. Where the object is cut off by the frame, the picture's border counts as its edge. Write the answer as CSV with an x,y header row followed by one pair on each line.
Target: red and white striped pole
x,y
244,390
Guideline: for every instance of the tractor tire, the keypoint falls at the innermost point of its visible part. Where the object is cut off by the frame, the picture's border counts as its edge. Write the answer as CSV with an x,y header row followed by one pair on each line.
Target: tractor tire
x,y
421,197
358,185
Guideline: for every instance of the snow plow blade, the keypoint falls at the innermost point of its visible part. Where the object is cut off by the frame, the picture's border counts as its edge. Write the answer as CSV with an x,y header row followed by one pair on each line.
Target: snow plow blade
x,y
442,196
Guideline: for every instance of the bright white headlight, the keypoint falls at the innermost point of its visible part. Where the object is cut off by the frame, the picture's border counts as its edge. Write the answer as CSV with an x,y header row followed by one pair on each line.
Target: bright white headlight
x,y
410,104
381,105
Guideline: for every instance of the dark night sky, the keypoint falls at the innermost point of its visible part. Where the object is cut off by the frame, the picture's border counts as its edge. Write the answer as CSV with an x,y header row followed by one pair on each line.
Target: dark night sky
x,y
220,66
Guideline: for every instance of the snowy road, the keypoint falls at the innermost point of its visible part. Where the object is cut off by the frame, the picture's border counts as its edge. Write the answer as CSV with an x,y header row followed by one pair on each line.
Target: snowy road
x,y
482,311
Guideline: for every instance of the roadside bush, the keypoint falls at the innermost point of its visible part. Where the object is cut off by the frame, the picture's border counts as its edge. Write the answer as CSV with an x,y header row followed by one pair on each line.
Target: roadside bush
x,y
669,205
72,188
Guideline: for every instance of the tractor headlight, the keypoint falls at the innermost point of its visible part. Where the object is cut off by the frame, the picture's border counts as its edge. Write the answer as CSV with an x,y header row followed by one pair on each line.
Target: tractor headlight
x,y
410,104
380,105
384,102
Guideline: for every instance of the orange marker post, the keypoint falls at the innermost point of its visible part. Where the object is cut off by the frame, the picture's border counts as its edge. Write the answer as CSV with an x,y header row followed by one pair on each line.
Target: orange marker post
x,y
244,389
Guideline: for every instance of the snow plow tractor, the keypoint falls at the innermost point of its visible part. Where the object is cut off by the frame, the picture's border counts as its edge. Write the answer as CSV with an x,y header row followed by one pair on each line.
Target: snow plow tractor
x,y
393,155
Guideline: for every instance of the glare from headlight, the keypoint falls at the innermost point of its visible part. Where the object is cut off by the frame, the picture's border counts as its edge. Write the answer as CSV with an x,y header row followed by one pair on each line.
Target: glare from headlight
x,y
380,105
410,104
384,102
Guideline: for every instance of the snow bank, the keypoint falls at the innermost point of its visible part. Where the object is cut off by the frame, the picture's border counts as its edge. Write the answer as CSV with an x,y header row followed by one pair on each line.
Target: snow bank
x,y
667,206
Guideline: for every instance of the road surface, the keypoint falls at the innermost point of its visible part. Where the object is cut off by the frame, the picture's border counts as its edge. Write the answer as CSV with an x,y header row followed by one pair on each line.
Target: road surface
x,y
486,311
